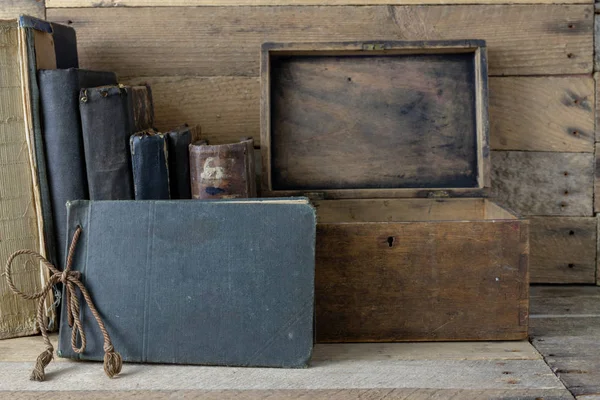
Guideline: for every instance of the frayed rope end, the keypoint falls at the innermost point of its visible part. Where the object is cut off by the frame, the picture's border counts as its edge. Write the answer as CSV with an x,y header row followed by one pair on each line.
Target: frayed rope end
x,y
113,362
38,373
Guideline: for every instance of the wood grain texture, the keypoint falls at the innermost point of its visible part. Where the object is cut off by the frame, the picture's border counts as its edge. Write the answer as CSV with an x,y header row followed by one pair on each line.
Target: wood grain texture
x,y
28,348
12,8
229,108
598,252
300,394
522,40
597,86
563,249
542,114
322,112
540,183
368,371
193,3
366,287
597,179
596,37
565,328
396,210
347,374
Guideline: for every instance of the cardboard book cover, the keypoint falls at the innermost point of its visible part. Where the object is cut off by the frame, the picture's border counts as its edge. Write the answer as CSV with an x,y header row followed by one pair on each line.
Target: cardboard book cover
x,y
221,282
27,45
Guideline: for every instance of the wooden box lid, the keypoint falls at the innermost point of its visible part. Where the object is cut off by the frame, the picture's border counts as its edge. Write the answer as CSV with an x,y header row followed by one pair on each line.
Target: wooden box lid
x,y
375,119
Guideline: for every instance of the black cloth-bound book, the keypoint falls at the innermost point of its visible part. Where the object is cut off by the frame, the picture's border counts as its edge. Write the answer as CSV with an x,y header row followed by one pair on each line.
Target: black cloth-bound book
x,y
107,123
150,168
63,140
178,143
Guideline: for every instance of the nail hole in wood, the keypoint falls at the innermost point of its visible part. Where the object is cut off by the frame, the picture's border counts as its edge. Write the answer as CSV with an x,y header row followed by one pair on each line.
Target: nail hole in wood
x,y
566,173
571,233
69,22
390,241
571,266
571,26
570,55
575,133
566,192
349,79
563,205
576,101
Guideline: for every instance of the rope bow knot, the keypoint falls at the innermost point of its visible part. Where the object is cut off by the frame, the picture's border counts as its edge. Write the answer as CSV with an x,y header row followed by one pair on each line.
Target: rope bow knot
x,y
72,280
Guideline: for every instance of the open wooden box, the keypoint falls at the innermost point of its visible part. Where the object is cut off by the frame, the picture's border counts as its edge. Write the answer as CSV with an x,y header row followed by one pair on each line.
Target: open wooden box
x,y
390,140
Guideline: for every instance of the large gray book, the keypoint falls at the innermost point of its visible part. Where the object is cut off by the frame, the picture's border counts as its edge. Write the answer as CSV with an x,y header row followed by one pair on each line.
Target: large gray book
x,y
224,282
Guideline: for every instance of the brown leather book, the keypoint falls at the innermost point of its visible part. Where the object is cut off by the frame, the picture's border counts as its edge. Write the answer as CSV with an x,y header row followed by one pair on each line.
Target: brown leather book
x,y
222,171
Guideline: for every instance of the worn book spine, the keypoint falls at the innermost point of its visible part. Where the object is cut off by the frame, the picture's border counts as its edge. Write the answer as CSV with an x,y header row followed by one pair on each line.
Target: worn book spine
x,y
250,166
63,140
150,166
221,171
178,142
143,107
26,45
44,45
107,124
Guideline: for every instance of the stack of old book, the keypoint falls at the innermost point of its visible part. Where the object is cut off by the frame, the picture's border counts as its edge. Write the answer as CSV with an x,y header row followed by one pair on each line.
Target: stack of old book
x,y
198,282
88,138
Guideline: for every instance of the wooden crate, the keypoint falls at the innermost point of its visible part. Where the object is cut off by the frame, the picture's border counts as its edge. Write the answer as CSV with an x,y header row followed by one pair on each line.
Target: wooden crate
x,y
385,137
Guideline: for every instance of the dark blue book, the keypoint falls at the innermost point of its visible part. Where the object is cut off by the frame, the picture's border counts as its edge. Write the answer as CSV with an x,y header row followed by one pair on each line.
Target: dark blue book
x,y
107,121
178,144
221,282
150,167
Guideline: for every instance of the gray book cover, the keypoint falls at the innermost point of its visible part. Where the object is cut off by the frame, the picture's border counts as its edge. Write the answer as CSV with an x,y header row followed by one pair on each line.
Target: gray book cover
x,y
223,282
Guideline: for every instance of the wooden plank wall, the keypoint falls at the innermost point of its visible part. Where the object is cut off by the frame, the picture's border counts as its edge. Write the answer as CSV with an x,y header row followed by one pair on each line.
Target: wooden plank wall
x,y
202,59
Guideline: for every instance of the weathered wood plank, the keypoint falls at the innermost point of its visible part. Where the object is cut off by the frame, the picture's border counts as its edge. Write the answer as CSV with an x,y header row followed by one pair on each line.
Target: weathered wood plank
x,y
12,8
522,40
566,301
194,3
565,328
597,36
302,394
347,374
228,108
542,114
597,86
597,179
541,183
27,348
563,250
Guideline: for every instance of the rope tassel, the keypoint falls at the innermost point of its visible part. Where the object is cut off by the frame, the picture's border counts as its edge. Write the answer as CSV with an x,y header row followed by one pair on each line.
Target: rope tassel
x,y
113,361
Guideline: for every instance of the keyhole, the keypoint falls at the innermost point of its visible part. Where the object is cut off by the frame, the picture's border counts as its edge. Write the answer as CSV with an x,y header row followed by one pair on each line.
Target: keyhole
x,y
390,241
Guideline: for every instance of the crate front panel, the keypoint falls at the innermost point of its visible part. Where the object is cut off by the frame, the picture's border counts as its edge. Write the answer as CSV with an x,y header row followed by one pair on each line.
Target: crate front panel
x,y
413,281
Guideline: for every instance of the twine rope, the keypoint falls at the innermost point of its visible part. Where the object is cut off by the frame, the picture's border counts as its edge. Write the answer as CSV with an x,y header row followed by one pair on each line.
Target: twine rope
x,y
72,280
